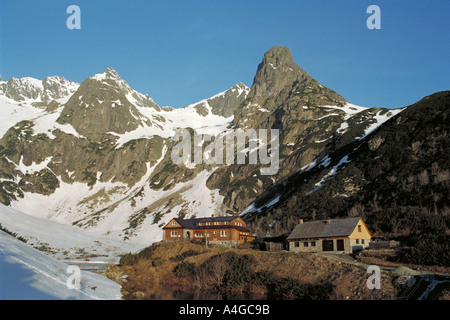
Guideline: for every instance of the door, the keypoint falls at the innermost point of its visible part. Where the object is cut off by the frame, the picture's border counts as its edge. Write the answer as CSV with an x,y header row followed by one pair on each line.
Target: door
x,y
327,245
340,245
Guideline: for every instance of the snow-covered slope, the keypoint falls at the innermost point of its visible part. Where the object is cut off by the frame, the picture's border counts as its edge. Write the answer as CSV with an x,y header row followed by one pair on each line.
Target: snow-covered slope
x,y
107,211
26,273
199,116
63,240
20,99
13,112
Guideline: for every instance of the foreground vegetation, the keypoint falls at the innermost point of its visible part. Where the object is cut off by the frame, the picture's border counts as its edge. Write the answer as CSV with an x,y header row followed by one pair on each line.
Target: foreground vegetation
x,y
165,270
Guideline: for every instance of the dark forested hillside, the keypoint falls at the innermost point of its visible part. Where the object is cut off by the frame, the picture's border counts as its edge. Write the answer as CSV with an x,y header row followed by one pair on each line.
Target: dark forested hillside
x,y
397,179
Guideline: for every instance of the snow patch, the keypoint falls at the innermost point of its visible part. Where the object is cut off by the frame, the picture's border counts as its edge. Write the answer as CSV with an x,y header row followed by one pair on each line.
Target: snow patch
x,y
30,274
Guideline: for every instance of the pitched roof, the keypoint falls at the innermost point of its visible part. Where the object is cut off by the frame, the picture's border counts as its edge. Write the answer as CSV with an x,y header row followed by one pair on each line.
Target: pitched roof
x,y
210,219
191,223
322,229
186,223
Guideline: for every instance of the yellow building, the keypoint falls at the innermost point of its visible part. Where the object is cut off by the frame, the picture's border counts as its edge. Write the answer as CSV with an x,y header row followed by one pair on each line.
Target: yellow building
x,y
332,235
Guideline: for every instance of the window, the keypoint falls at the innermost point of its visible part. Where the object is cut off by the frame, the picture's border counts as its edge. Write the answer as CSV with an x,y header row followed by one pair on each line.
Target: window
x,y
174,234
306,244
297,244
359,229
223,233
362,241
357,241
313,243
174,223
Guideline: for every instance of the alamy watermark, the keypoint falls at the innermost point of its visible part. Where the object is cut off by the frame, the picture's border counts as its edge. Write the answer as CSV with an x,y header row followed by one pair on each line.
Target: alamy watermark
x,y
74,20
374,20
225,148
74,280
374,281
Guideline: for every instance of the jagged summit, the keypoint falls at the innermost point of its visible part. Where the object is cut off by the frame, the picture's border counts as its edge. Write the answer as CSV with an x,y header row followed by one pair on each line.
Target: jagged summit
x,y
281,84
281,61
108,80
222,104
279,77
109,73
105,103
28,89
276,71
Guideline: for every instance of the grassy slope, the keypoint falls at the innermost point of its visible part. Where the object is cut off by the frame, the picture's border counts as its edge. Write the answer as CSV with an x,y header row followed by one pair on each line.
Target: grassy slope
x,y
278,274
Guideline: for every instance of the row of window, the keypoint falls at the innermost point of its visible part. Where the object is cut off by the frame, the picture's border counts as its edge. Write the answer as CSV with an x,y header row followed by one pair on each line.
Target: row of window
x,y
174,223
313,243
305,244
216,223
223,233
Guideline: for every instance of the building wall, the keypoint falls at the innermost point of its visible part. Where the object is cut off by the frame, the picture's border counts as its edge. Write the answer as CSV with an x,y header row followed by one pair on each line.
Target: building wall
x,y
300,245
214,232
360,237
361,232
167,234
359,244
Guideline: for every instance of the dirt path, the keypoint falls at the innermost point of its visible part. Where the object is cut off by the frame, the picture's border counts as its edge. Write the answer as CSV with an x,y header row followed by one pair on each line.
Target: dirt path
x,y
423,283
346,258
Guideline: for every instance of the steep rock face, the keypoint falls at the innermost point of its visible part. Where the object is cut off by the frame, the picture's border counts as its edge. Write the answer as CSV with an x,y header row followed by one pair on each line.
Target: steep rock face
x,y
278,76
223,104
312,120
38,164
101,106
76,142
280,82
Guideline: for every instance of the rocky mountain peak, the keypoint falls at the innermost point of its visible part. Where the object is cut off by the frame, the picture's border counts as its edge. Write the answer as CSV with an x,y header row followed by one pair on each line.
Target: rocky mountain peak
x,y
109,73
279,78
32,90
108,80
281,60
105,103
276,71
222,104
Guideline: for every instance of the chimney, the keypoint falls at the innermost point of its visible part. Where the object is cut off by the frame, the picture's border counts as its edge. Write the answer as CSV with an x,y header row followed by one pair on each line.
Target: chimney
x,y
300,221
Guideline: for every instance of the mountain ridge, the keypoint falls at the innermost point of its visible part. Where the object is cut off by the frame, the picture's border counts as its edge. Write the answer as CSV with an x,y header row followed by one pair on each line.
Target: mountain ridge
x,y
100,159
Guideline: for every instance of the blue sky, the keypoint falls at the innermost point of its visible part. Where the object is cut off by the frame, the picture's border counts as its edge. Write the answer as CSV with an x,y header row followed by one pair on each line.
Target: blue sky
x,y
180,52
